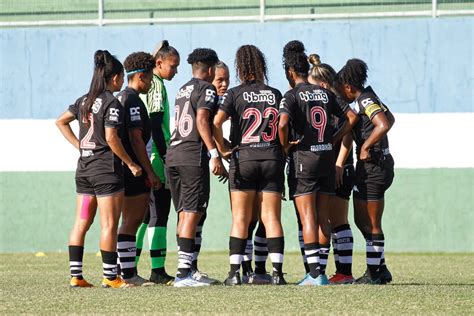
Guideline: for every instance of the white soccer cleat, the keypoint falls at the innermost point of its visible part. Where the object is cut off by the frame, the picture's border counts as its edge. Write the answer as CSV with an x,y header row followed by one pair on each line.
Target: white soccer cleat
x,y
188,281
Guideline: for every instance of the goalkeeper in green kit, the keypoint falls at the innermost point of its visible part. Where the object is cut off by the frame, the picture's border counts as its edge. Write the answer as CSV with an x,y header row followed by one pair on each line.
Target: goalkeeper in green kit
x,y
156,220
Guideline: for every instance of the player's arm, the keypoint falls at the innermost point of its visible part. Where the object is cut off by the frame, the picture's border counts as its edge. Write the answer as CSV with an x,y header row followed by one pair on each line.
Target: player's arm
x,y
204,129
157,133
283,129
390,118
351,120
63,123
218,133
115,143
381,128
346,146
139,148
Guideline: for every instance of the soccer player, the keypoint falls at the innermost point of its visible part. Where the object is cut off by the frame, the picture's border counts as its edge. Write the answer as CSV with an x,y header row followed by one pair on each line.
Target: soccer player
x,y
374,169
341,233
137,132
187,159
99,174
256,165
155,223
308,109
221,82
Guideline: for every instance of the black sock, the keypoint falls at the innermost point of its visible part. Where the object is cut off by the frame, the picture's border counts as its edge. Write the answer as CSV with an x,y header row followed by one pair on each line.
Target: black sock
x,y
198,242
127,251
323,257
109,264
276,249
76,255
236,252
185,256
247,258
301,241
311,252
345,245
260,249
374,251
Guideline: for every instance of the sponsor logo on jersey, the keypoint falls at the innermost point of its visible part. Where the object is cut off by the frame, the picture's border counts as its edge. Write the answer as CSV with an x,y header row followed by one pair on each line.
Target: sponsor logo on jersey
x,y
96,106
185,92
321,147
210,95
135,114
264,96
87,153
114,114
315,95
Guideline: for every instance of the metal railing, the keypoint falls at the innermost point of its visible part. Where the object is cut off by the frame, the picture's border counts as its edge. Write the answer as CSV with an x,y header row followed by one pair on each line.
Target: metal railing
x,y
261,9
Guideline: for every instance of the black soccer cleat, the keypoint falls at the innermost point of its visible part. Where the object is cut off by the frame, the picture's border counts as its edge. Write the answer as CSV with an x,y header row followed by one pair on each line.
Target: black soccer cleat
x,y
233,279
161,278
385,275
366,278
278,279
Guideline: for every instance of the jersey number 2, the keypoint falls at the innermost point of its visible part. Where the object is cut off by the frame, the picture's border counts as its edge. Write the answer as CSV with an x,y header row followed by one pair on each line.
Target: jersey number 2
x,y
248,136
86,141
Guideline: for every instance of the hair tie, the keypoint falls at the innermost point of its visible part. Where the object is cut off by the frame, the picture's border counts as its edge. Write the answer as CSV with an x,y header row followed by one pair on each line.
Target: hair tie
x,y
135,71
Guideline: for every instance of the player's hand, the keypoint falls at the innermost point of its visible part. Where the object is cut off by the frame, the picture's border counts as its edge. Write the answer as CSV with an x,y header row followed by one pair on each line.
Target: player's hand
x,y
217,167
135,169
287,148
153,181
364,154
339,174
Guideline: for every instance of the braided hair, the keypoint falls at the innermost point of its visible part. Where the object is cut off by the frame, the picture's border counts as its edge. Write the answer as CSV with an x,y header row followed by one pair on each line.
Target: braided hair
x,y
250,64
354,73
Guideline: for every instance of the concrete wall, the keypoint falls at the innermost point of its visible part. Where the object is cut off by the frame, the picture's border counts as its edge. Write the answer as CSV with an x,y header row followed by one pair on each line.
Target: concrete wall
x,y
416,65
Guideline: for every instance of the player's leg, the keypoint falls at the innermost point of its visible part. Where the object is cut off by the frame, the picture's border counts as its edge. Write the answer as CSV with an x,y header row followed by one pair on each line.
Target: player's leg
x,y
242,206
261,253
110,206
160,204
324,230
247,270
300,238
341,235
86,207
141,236
271,218
134,209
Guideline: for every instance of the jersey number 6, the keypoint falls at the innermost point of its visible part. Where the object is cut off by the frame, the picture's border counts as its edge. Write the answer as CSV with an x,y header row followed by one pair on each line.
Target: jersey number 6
x,y
184,123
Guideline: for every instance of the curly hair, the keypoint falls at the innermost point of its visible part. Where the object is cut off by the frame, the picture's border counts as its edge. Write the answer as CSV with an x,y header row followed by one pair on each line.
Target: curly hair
x,y
139,62
203,58
163,50
354,73
295,58
250,64
320,71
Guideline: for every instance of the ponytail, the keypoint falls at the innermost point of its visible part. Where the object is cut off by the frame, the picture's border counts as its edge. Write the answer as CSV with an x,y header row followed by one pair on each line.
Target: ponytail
x,y
105,67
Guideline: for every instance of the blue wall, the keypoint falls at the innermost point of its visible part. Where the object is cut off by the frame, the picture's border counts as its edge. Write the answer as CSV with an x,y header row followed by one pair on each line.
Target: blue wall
x,y
416,65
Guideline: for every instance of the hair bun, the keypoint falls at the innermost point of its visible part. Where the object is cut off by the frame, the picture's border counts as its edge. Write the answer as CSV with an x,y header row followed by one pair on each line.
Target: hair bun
x,y
294,47
160,46
314,59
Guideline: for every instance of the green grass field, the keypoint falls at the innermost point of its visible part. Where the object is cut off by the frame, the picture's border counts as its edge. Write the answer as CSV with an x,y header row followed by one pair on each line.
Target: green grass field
x,y
423,284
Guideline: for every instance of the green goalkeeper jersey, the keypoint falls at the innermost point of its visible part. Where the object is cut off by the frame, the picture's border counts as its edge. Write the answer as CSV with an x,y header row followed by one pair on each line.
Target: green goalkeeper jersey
x,y
156,100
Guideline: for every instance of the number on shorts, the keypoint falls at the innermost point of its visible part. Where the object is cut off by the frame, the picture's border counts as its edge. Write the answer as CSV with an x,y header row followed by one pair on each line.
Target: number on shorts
x,y
86,141
319,121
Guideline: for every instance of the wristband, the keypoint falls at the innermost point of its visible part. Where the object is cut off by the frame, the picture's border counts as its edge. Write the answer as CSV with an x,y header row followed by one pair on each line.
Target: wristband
x,y
213,153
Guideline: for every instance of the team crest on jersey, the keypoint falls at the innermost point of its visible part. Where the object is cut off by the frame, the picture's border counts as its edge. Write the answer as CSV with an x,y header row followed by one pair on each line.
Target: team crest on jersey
x,y
96,106
210,95
315,95
114,114
185,92
264,96
135,114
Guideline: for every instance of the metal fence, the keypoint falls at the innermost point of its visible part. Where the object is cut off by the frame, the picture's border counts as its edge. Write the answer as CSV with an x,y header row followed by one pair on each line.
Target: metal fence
x,y
14,13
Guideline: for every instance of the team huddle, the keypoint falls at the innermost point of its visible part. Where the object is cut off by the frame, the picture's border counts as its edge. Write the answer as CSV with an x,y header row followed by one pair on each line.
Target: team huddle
x,y
131,166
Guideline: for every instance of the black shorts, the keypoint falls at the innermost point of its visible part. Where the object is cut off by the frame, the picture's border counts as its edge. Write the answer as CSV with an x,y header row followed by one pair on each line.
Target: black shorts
x,y
135,185
189,187
100,185
345,190
373,178
303,186
257,175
